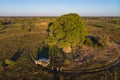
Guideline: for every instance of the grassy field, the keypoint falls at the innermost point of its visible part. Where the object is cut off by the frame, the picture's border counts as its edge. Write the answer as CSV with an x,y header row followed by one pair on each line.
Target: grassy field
x,y
29,33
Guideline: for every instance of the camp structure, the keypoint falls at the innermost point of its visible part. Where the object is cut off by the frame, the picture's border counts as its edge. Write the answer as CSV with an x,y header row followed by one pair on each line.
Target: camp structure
x,y
42,58
43,62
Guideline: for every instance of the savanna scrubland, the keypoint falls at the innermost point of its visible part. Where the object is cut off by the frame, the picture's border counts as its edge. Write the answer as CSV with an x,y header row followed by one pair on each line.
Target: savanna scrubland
x,y
97,57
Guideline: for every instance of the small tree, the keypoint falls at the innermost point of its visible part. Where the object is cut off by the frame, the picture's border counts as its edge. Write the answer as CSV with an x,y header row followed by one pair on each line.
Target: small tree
x,y
67,31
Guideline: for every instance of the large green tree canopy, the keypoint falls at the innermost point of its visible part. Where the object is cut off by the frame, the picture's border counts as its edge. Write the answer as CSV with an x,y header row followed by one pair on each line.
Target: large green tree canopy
x,y
67,30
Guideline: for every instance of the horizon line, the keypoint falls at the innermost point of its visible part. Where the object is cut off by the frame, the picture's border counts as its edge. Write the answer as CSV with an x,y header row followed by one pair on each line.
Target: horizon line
x,y
57,16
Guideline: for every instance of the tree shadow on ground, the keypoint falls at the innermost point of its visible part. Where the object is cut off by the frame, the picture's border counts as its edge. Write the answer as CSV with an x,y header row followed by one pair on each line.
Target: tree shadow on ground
x,y
49,25
43,53
95,40
17,55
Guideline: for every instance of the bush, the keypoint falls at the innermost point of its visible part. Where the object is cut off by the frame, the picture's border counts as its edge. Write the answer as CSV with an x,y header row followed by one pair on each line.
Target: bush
x,y
9,63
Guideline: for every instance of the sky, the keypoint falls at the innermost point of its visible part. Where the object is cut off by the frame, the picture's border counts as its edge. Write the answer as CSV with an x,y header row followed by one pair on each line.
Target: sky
x,y
59,7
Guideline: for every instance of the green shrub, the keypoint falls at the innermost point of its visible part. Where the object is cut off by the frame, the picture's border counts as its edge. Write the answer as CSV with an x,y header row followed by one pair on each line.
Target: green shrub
x,y
9,63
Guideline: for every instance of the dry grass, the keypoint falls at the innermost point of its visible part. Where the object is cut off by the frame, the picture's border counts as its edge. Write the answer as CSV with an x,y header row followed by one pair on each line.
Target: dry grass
x,y
30,33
